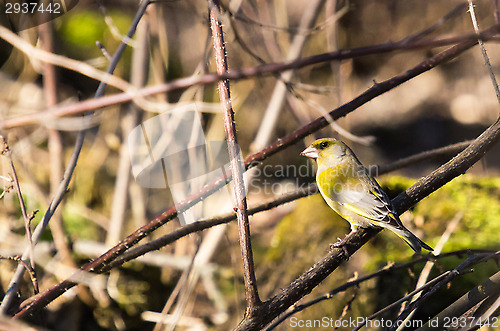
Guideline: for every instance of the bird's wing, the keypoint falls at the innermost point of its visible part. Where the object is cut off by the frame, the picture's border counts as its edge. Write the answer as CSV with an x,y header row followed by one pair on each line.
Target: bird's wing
x,y
359,193
367,203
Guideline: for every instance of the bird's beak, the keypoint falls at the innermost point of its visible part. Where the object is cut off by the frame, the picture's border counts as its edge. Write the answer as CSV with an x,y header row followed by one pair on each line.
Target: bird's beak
x,y
310,152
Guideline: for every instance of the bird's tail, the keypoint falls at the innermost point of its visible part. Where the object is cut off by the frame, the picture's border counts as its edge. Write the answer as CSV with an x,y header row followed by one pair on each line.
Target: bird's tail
x,y
412,240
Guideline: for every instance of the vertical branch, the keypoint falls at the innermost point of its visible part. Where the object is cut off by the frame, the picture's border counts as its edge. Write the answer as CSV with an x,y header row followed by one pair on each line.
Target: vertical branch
x,y
56,160
252,295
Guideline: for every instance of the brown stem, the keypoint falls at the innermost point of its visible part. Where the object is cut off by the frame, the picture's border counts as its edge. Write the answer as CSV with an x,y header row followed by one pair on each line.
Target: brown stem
x,y
55,145
427,155
237,169
356,282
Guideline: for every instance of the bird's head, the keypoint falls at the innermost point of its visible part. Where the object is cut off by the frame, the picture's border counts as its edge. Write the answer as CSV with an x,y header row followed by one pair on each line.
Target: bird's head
x,y
326,149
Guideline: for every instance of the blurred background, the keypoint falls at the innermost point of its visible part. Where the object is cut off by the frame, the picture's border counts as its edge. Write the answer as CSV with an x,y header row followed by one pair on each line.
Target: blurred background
x,y
451,103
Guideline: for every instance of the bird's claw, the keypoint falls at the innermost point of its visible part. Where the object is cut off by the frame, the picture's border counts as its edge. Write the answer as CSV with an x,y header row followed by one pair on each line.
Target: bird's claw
x,y
341,244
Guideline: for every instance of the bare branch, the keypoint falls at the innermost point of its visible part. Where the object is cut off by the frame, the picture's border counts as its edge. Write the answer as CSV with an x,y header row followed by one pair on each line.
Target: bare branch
x,y
464,267
27,221
488,288
356,282
252,295
427,155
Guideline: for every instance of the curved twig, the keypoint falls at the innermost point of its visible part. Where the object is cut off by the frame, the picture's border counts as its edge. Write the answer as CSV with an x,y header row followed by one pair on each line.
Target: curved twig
x,y
387,269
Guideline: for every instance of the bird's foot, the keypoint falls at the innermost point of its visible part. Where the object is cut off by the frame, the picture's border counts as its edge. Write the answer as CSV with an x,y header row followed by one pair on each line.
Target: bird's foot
x,y
341,243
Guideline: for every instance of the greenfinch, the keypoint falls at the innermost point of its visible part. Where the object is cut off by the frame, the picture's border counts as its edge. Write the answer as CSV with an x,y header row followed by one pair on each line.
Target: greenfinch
x,y
349,190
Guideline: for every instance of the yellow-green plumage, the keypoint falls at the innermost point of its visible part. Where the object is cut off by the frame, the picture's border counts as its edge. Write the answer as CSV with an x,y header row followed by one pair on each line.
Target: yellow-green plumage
x,y
347,188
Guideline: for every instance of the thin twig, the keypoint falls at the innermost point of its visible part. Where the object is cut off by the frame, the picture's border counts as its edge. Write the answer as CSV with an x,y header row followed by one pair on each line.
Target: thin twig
x,y
433,286
461,269
183,284
55,146
431,283
30,271
61,191
452,13
427,155
278,95
205,224
483,50
128,121
426,270
463,306
237,168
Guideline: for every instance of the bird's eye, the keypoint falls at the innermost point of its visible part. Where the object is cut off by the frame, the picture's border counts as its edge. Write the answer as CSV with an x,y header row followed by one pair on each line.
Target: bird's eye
x,y
323,145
